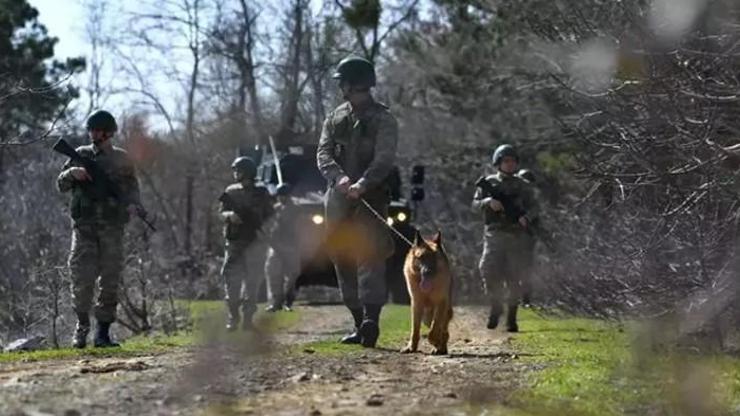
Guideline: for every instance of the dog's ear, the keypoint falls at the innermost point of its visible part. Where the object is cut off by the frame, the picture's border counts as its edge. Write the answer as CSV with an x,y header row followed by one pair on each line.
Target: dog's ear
x,y
418,241
438,238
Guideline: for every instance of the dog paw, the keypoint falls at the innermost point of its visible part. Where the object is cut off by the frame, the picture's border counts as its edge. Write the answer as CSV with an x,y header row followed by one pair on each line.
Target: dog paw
x,y
408,350
439,351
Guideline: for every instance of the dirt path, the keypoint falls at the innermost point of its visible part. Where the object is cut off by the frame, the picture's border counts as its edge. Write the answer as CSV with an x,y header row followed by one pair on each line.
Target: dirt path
x,y
249,378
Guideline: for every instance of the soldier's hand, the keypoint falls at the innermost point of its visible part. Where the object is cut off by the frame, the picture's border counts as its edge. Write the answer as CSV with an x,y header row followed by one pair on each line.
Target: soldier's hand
x,y
523,221
80,174
355,191
343,184
496,205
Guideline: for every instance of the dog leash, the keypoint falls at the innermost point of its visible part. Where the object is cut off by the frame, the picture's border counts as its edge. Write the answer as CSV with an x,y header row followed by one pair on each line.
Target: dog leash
x,y
383,220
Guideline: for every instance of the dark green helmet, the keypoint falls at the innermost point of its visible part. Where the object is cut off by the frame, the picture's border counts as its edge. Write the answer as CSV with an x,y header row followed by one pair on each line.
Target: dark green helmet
x,y
356,71
246,166
503,151
101,120
283,190
526,174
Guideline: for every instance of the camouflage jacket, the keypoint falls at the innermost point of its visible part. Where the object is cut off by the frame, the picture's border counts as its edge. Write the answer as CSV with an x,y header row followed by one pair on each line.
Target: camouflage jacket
x,y
88,208
253,205
361,145
518,195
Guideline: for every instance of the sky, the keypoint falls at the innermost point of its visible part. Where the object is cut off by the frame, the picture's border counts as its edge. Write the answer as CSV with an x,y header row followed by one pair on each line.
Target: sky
x,y
65,20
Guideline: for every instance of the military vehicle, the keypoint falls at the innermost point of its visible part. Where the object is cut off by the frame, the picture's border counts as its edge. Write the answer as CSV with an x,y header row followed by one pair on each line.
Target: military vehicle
x,y
297,166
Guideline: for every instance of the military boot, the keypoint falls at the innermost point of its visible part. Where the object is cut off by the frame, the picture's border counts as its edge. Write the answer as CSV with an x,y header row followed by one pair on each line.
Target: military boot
x,y
354,337
232,320
370,328
511,325
248,310
493,316
79,340
102,336
289,299
275,306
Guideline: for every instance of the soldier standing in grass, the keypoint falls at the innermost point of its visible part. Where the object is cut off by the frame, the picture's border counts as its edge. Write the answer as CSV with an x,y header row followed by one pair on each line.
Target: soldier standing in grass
x,y
245,206
97,228
283,264
507,243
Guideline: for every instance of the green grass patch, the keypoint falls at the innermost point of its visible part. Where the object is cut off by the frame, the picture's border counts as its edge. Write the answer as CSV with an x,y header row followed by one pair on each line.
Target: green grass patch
x,y
207,318
394,332
591,367
135,346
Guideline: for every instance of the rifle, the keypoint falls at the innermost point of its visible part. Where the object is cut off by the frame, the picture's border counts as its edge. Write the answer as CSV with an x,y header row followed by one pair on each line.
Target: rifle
x,y
249,219
101,186
512,211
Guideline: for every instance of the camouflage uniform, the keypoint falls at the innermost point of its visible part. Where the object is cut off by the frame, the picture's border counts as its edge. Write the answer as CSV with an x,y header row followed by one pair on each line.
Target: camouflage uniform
x,y
244,248
506,245
283,264
361,145
97,233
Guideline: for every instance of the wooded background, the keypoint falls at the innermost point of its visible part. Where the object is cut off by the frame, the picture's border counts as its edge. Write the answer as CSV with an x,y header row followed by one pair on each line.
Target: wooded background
x,y
622,109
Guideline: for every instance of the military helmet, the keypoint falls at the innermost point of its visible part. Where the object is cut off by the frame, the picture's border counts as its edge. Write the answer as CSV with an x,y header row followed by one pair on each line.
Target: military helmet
x,y
356,71
245,165
526,174
503,151
101,120
283,190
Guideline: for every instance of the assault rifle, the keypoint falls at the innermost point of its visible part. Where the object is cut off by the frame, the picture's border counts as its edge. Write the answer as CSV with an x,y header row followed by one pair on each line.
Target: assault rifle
x,y
250,220
101,186
512,211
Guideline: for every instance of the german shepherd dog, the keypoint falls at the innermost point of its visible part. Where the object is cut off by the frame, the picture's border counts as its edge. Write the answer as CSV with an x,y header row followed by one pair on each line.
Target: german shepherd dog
x,y
429,280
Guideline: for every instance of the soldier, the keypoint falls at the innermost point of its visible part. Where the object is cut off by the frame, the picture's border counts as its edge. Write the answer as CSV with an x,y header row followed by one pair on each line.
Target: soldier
x,y
283,264
356,153
526,283
508,207
97,228
244,208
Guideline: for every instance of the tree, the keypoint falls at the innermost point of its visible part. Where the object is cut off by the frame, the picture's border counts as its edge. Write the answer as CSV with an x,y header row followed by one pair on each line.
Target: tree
x,y
364,18
32,91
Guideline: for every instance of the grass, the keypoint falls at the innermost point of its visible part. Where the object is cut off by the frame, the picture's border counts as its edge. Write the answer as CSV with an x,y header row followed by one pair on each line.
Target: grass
x,y
593,367
207,321
580,367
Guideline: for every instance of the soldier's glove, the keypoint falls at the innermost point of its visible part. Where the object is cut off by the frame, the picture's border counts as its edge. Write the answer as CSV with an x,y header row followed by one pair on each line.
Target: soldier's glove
x,y
523,221
495,204
232,217
355,191
79,174
343,184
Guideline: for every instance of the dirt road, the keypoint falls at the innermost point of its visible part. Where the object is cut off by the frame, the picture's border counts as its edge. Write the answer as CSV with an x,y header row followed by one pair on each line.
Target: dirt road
x,y
275,376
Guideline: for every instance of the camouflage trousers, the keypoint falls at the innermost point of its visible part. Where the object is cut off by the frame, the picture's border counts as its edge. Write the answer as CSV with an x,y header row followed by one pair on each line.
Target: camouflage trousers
x,y
282,269
359,245
242,272
504,266
96,254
